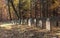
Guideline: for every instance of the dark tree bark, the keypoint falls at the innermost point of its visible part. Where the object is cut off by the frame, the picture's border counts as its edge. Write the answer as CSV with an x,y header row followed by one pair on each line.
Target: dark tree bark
x,y
16,13
9,10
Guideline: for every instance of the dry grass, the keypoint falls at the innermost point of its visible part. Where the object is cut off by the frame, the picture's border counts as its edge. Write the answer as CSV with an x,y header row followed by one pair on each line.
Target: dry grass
x,y
10,30
22,27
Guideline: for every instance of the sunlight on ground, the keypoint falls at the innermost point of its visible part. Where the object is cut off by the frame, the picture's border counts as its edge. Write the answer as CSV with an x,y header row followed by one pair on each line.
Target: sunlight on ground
x,y
7,26
21,27
10,26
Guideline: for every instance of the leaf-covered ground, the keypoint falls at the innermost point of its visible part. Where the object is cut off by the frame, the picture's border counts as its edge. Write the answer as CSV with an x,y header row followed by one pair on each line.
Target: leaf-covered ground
x,y
23,31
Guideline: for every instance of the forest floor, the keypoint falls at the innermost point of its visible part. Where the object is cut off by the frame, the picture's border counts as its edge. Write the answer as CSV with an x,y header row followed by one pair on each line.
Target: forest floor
x,y
24,31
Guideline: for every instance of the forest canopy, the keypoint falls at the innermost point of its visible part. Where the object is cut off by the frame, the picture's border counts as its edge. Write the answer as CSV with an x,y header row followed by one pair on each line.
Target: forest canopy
x,y
26,8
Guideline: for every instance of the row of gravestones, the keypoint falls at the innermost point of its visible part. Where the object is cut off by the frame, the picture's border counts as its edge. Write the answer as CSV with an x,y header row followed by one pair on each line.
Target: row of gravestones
x,y
39,23
42,24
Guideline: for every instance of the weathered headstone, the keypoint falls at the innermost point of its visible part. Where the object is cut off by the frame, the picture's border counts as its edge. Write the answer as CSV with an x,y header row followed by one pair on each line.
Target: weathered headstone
x,y
48,24
40,23
21,22
34,21
12,22
25,21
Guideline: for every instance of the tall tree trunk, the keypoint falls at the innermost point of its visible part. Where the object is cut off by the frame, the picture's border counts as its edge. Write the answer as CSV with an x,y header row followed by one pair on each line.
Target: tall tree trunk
x,y
11,1
9,10
19,12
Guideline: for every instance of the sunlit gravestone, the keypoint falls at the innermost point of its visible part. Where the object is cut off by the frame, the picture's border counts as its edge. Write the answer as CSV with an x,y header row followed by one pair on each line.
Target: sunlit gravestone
x,y
48,24
29,22
21,21
34,21
40,23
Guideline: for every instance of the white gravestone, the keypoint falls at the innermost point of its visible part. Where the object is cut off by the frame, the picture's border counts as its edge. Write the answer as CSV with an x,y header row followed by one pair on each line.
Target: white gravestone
x,y
48,24
25,21
13,22
29,22
34,21
21,21
40,23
